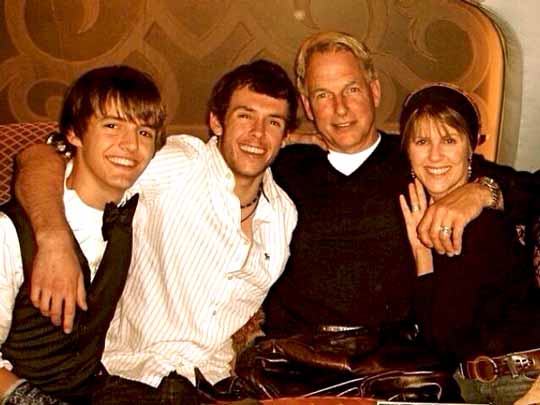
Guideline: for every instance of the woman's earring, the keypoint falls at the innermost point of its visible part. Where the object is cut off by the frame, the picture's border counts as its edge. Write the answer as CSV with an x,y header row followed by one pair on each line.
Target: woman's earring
x,y
413,174
469,168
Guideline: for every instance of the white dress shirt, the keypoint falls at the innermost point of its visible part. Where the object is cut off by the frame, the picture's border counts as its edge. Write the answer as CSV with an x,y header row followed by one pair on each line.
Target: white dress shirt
x,y
195,278
85,222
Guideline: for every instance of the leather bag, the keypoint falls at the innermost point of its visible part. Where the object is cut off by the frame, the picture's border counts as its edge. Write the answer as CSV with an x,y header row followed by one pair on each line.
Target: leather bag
x,y
388,363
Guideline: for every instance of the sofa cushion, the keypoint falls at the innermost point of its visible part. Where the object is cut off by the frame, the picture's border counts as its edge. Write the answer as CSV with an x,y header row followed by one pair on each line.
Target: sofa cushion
x,y
14,138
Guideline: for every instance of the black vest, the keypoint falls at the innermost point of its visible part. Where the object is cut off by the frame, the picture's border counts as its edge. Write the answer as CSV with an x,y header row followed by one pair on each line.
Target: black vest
x,y
62,364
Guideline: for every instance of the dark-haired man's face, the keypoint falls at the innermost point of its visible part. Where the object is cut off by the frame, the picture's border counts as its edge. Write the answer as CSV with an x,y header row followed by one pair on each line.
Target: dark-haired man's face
x,y
251,132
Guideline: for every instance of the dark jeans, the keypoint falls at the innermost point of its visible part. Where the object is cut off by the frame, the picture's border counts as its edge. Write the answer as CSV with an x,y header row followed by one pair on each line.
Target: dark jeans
x,y
504,390
174,389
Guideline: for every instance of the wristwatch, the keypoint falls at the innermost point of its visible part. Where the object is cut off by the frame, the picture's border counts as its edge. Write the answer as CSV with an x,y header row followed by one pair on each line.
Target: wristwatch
x,y
494,190
60,143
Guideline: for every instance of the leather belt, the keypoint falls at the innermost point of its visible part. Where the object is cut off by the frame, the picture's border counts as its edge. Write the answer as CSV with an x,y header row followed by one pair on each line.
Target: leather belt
x,y
487,369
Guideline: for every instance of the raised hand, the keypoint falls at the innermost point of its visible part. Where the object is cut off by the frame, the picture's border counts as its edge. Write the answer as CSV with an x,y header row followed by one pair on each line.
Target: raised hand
x,y
413,216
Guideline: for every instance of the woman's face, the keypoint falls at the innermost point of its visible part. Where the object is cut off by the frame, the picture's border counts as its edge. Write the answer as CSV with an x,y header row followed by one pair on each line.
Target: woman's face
x,y
439,155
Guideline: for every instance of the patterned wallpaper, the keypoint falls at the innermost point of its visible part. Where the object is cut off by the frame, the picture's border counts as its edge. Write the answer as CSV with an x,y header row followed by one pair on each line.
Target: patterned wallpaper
x,y
187,44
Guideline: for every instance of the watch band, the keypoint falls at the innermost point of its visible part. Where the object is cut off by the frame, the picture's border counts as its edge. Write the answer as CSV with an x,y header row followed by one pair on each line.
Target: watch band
x,y
493,188
60,143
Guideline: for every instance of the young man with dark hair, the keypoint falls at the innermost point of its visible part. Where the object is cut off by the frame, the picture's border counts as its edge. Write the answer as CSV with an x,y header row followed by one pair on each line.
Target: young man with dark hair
x,y
205,256
113,118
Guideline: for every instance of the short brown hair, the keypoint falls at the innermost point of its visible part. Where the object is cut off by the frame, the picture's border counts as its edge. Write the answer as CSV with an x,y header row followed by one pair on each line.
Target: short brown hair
x,y
260,76
132,92
332,41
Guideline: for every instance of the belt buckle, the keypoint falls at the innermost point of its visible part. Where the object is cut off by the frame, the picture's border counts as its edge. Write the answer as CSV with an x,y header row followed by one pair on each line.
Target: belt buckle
x,y
481,373
517,364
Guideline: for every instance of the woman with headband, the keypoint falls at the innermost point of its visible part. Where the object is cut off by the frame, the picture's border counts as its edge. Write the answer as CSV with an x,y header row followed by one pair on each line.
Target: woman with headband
x,y
479,310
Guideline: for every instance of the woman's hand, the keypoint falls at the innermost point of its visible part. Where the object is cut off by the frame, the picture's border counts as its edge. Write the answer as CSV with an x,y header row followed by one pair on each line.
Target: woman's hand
x,y
413,216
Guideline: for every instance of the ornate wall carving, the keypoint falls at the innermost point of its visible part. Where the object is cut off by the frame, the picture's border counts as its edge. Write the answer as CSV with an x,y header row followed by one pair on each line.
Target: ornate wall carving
x,y
187,44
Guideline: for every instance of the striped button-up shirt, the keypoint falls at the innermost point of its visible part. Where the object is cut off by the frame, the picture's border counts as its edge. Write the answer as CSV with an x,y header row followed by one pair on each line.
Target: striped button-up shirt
x,y
195,278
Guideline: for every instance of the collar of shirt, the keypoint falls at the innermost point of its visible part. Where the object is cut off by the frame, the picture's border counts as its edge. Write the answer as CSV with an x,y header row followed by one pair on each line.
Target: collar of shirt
x,y
79,215
222,176
72,199
85,222
346,163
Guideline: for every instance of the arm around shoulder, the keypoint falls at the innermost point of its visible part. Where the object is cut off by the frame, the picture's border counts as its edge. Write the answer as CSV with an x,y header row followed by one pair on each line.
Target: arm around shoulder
x,y
39,187
520,189
181,157
56,277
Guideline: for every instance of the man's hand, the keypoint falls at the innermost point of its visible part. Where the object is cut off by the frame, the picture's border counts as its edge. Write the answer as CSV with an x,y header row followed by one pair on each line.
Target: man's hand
x,y
307,138
57,283
454,211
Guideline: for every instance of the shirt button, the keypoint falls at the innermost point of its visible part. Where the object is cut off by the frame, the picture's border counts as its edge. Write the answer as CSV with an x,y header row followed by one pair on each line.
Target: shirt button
x,y
229,276
214,313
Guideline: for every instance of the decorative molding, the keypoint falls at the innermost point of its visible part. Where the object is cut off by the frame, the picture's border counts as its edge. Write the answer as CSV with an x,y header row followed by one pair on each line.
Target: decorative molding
x,y
186,46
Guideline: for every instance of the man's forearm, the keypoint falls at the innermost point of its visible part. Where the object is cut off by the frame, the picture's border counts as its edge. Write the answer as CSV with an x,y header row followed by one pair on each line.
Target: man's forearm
x,y
39,187
520,190
56,282
14,390
7,379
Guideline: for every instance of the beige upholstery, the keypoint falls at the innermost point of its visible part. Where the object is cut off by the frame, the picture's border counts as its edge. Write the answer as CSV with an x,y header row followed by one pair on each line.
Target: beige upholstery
x,y
14,138
186,45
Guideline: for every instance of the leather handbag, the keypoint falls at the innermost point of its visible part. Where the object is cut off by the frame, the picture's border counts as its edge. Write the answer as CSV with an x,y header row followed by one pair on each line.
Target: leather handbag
x,y
388,363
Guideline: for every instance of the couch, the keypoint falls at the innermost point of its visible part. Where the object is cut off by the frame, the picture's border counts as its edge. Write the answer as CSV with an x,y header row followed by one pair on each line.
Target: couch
x,y
14,138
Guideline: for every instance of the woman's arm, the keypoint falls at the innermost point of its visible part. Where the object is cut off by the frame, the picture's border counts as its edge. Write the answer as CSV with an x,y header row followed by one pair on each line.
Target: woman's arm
x,y
412,216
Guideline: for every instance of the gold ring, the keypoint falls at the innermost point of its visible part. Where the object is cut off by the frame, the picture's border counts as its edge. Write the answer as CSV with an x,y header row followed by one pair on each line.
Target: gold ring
x,y
415,208
445,230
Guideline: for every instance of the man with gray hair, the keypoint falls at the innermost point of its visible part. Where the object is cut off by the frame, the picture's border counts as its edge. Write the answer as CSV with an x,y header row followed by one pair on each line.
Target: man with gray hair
x,y
350,264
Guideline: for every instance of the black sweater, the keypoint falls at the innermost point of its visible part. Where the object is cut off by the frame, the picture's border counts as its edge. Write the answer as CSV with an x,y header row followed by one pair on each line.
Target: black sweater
x,y
350,263
484,301
350,258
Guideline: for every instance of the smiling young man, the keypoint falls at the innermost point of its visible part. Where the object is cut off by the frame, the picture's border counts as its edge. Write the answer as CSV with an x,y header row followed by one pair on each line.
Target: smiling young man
x,y
211,235
112,117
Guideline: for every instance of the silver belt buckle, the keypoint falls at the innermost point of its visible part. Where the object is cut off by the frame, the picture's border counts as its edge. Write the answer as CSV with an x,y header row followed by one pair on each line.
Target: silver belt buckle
x,y
338,328
517,363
